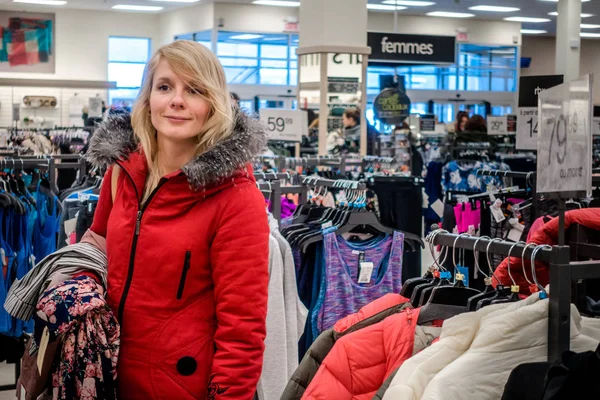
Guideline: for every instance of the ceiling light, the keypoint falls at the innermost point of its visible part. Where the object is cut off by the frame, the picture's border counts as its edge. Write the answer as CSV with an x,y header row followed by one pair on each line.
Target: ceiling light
x,y
178,1
583,15
449,14
279,3
43,2
127,7
556,1
384,7
526,19
494,8
590,26
502,51
245,36
533,31
589,35
410,3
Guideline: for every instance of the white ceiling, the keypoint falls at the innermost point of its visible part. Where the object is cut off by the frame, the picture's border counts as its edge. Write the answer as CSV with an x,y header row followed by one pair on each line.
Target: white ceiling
x,y
529,8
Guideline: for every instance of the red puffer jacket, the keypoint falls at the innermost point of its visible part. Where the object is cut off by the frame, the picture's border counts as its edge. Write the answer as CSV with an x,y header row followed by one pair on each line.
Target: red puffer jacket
x,y
360,362
547,234
188,270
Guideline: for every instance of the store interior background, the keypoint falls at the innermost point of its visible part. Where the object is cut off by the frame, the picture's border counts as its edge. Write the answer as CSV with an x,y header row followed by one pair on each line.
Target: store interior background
x,y
96,43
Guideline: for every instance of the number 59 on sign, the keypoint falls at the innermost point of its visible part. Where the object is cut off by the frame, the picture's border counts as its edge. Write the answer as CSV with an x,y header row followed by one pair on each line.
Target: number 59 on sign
x,y
285,125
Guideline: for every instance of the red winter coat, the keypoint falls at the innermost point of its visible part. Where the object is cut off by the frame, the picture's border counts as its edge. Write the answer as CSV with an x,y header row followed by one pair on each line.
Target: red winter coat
x,y
360,362
547,234
188,270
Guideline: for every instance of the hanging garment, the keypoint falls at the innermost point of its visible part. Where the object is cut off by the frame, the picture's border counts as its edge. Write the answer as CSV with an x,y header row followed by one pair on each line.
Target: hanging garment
x,y
46,227
433,189
341,293
274,374
548,234
399,203
191,306
517,334
574,376
414,375
360,362
77,312
462,176
295,311
24,294
370,314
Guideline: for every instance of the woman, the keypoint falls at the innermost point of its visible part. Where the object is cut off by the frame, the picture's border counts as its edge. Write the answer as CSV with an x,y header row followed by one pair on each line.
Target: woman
x,y
351,122
461,121
186,234
476,124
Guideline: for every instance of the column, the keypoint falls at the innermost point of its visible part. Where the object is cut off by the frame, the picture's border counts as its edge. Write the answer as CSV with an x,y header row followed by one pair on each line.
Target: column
x,y
333,43
568,41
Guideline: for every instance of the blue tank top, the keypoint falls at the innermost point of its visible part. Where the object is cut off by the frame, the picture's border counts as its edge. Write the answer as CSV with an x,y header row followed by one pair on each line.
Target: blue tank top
x,y
45,228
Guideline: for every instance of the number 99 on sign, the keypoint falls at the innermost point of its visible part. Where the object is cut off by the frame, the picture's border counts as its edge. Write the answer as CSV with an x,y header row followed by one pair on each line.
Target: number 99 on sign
x,y
278,123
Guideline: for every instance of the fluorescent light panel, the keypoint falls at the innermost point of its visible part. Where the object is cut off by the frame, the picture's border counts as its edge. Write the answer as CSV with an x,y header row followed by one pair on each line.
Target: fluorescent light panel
x,y
533,31
494,8
42,2
583,15
590,26
128,7
384,7
410,3
245,36
278,3
177,1
450,14
526,19
556,1
589,35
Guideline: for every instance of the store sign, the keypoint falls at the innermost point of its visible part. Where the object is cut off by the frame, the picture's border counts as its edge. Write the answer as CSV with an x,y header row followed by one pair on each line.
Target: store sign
x,y
391,106
497,125
400,48
596,126
285,125
427,123
344,85
565,138
527,117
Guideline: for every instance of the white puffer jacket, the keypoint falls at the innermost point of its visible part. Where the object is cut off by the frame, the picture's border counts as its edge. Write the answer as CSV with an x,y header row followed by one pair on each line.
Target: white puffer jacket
x,y
458,333
506,338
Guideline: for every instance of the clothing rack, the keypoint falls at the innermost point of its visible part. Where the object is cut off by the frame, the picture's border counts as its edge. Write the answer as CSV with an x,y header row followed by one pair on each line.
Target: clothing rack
x,y
562,273
313,182
272,192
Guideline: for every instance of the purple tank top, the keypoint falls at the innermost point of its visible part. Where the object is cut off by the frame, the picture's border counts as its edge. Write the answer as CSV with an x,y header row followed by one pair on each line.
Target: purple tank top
x,y
343,295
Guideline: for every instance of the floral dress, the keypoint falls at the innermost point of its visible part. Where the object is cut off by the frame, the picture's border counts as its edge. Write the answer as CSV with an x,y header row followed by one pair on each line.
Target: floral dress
x,y
77,313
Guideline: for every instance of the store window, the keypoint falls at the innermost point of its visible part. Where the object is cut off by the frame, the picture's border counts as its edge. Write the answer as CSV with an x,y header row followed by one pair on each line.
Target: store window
x,y
479,68
127,57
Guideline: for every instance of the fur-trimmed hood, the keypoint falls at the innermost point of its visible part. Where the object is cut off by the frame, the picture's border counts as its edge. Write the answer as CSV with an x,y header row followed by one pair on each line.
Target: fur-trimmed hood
x,y
114,140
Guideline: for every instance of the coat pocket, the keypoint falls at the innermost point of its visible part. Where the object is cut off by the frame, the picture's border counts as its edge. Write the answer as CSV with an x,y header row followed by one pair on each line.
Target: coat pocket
x,y
184,271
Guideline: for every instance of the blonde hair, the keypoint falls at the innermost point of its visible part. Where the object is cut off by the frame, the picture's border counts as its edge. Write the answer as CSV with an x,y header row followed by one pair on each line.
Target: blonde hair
x,y
200,69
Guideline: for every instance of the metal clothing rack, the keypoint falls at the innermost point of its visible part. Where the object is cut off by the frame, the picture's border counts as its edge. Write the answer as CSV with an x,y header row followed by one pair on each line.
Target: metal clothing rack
x,y
315,181
562,273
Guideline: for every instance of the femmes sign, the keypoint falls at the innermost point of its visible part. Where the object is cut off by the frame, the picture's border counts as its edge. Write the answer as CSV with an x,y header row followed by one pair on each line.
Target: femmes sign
x,y
398,48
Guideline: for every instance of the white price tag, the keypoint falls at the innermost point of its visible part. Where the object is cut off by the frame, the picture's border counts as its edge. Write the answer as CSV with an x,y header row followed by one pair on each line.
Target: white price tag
x,y
438,207
497,126
326,225
285,125
527,128
497,211
564,145
514,235
366,270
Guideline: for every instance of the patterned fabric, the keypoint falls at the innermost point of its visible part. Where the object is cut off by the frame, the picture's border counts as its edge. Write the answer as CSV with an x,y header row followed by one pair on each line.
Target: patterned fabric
x,y
26,41
462,176
76,310
341,294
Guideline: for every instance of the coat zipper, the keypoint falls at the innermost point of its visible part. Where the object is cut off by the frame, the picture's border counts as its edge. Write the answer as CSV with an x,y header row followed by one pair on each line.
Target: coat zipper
x,y
186,267
138,222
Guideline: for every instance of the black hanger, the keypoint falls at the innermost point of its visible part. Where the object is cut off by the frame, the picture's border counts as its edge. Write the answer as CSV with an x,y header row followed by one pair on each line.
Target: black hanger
x,y
409,285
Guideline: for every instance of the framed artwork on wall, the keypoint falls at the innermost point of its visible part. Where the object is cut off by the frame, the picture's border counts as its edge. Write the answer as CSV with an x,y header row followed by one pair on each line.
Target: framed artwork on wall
x,y
27,42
